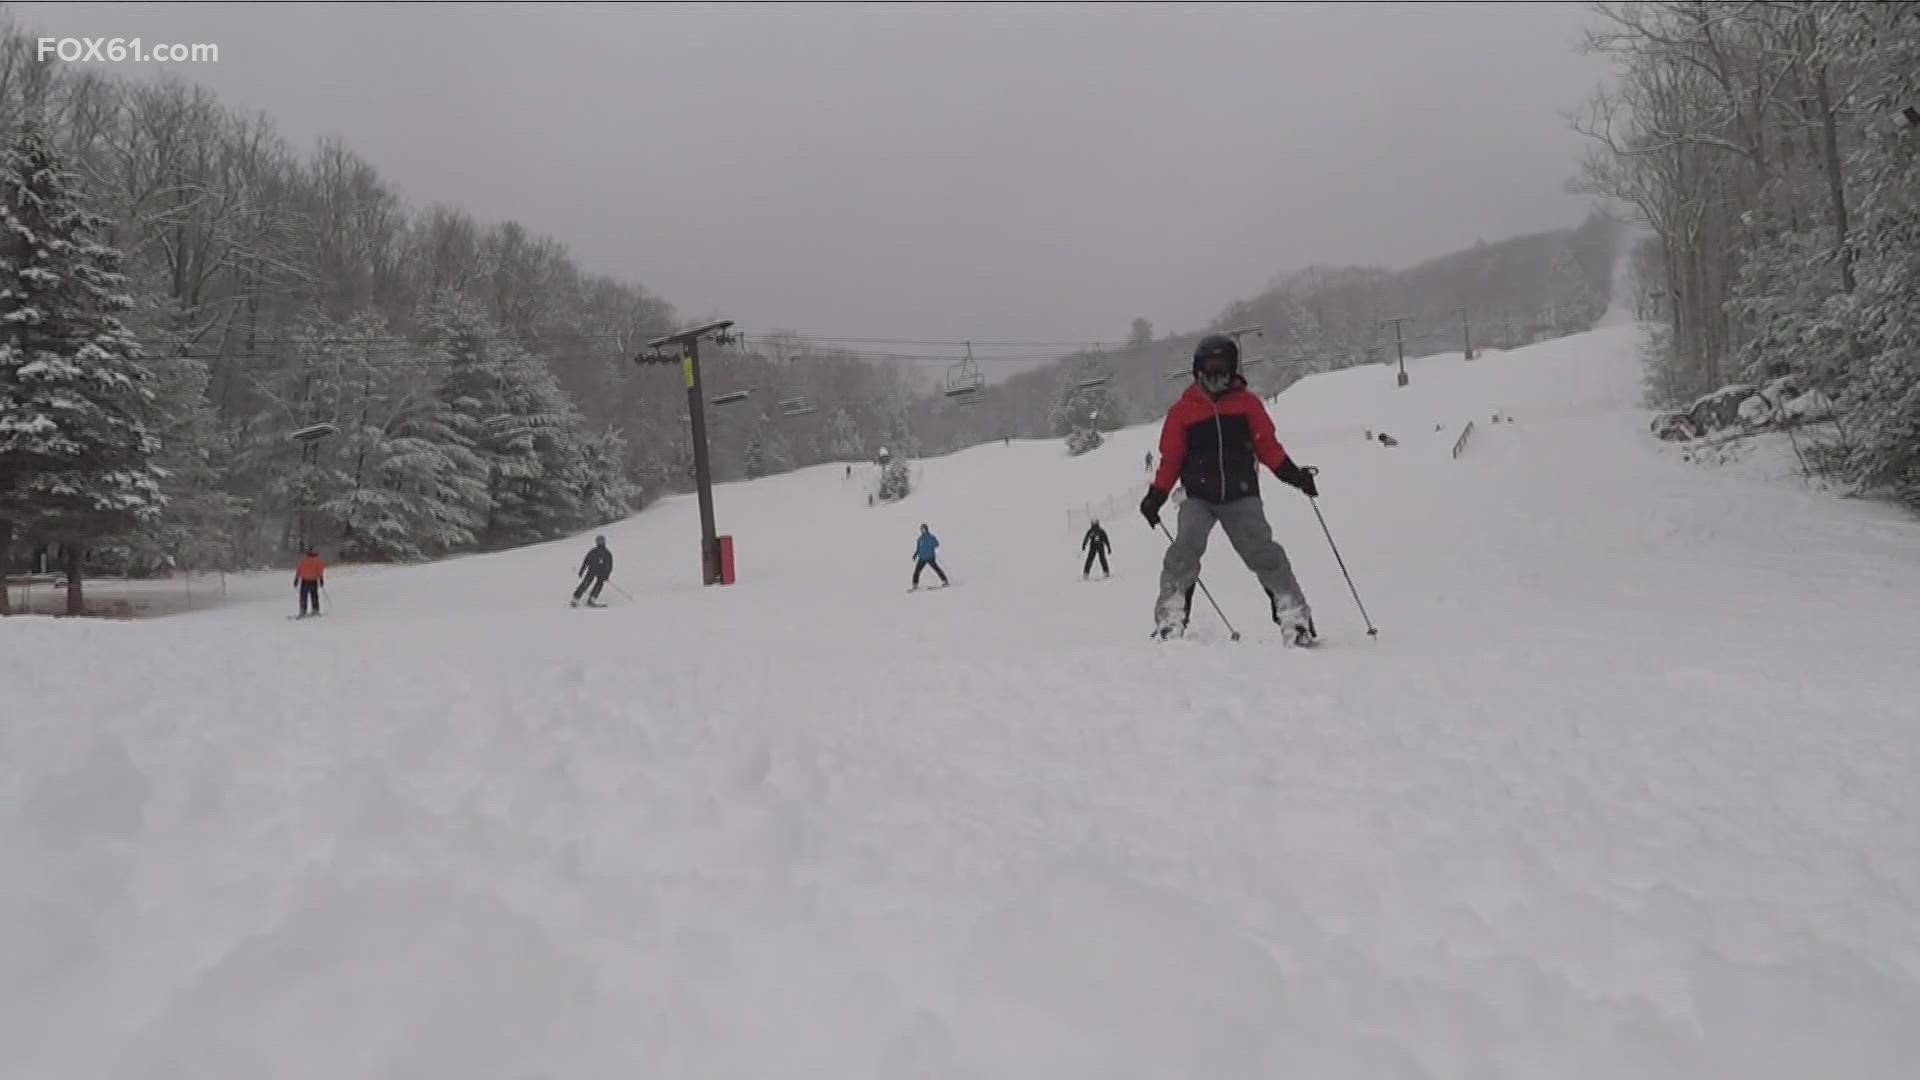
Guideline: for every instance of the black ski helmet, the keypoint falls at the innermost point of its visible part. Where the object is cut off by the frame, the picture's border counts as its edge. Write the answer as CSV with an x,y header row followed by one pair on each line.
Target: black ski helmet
x,y
1214,347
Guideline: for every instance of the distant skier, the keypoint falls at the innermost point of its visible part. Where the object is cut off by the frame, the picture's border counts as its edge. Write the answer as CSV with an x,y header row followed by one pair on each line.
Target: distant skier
x,y
1212,443
1388,440
309,575
595,569
923,556
1096,544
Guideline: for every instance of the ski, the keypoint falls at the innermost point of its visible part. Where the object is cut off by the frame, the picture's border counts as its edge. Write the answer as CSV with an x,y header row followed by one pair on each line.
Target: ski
x,y
1202,637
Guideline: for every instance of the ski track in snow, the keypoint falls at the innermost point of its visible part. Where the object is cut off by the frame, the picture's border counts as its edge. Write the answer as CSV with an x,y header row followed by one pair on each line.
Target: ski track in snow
x,y
1626,787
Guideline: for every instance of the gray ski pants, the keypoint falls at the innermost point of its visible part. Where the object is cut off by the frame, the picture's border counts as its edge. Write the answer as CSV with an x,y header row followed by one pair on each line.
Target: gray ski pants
x,y
1245,523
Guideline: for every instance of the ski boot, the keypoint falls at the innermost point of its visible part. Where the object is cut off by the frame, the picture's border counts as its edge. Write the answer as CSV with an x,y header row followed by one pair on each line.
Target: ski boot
x,y
1296,629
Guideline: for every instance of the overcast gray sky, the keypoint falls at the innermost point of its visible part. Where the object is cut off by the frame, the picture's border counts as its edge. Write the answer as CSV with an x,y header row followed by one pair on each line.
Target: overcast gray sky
x,y
1005,171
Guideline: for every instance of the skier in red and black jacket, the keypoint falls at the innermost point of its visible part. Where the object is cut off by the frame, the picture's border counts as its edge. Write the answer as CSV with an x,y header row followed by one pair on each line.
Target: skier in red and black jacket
x,y
1214,441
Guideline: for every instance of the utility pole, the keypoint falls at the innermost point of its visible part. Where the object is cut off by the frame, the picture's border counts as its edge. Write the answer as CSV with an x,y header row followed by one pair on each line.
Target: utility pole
x,y
1466,332
1399,343
659,352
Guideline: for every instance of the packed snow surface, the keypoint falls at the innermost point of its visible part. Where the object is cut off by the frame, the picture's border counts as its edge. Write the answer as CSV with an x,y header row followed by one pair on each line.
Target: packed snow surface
x,y
1625,788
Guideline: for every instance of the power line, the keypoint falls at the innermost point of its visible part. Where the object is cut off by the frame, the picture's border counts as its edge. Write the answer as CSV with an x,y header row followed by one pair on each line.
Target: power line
x,y
781,337
616,344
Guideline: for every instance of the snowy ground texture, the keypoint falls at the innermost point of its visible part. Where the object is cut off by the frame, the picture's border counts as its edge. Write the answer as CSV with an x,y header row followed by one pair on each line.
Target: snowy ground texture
x,y
1626,788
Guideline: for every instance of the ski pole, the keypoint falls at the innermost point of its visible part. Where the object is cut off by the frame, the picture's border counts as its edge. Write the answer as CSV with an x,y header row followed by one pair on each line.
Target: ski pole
x,y
623,592
1209,592
1372,632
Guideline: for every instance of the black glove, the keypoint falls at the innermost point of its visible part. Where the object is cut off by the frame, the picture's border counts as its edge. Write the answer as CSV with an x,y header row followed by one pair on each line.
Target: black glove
x,y
1150,506
1291,473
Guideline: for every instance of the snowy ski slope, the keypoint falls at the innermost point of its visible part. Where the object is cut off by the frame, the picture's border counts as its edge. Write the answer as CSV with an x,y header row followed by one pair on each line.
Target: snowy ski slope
x,y
1626,788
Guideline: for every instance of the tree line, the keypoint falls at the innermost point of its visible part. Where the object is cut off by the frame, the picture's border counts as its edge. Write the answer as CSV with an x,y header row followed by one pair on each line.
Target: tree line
x,y
1321,318
1772,151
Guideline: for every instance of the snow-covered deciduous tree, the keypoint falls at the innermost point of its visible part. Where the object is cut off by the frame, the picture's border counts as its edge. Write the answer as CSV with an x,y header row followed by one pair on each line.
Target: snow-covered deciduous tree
x,y
843,437
76,449
1574,301
1140,334
1766,147
196,527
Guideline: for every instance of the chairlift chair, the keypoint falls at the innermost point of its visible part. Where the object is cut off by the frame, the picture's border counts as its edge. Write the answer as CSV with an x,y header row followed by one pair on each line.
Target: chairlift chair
x,y
964,380
1094,372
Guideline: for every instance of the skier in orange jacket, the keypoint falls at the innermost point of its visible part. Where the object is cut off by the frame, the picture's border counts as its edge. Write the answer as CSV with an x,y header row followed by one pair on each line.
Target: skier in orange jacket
x,y
309,574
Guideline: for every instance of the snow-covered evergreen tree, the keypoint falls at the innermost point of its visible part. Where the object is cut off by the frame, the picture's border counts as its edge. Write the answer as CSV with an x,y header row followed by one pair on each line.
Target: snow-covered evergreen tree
x,y
498,413
76,452
896,480
1882,403
1085,407
420,488
602,492
507,407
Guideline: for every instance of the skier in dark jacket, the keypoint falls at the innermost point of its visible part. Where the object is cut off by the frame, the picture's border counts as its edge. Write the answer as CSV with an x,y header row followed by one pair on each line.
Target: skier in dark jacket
x,y
1096,544
1213,442
595,569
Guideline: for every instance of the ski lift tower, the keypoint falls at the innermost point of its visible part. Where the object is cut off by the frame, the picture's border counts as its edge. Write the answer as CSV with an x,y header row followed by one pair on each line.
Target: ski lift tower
x,y
1399,343
683,347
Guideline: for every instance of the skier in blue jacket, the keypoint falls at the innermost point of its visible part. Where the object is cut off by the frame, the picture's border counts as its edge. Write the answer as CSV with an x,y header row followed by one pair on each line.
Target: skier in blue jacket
x,y
923,550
